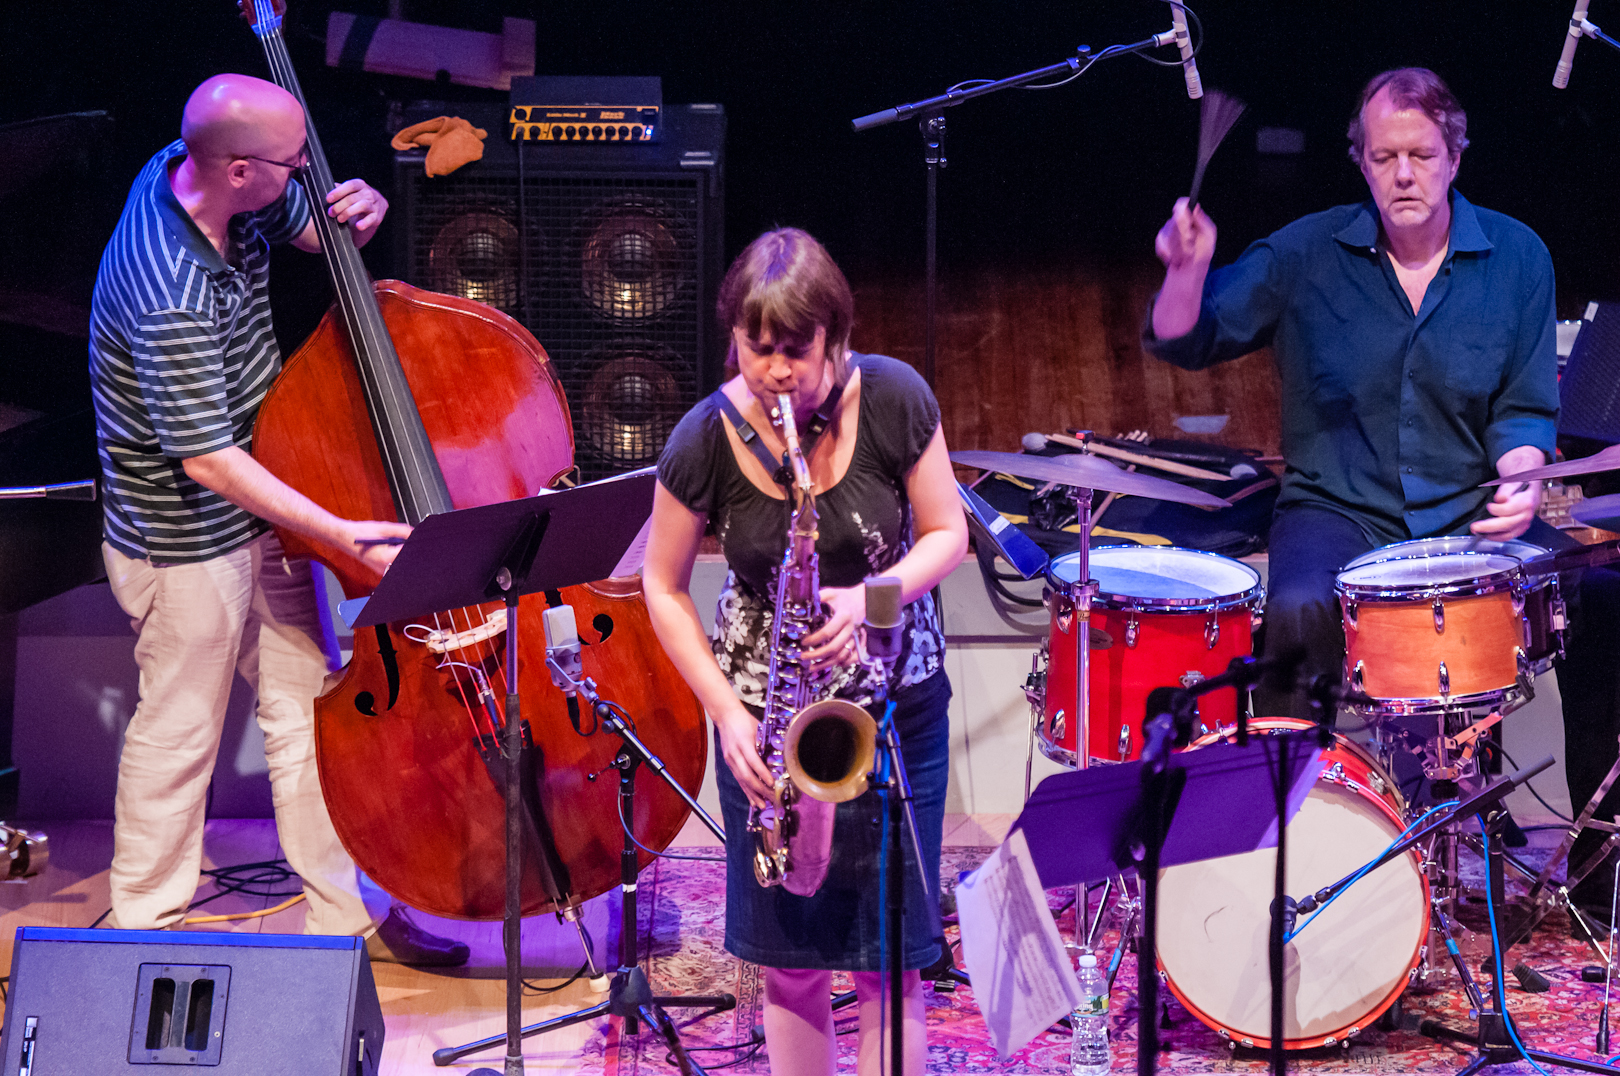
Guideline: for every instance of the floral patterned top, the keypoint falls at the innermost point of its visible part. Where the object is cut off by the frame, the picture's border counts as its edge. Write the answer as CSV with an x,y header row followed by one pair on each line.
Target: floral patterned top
x,y
865,526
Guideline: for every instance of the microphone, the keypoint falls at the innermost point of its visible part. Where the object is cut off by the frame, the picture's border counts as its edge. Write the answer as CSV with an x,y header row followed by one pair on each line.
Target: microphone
x,y
882,626
1566,60
562,647
562,656
1290,914
1189,67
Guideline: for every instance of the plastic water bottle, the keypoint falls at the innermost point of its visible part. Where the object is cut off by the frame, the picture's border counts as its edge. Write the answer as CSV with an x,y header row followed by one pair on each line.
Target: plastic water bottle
x,y
1089,1054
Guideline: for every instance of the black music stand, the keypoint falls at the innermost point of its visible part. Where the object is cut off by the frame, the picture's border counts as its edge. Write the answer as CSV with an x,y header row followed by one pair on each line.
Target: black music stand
x,y
1132,824
504,551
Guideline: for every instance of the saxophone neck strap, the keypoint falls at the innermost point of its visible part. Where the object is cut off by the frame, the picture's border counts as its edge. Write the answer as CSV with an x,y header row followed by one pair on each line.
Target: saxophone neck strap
x,y
813,429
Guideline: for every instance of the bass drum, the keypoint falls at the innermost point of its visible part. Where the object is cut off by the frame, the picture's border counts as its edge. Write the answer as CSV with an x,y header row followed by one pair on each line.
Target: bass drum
x,y
1346,965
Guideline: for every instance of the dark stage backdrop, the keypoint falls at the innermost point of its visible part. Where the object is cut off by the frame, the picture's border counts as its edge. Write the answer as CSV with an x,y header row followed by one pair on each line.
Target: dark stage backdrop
x,y
1073,180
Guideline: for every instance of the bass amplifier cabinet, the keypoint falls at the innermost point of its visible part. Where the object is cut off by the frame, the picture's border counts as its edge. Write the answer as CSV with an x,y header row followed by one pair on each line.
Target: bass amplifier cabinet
x,y
610,254
153,1001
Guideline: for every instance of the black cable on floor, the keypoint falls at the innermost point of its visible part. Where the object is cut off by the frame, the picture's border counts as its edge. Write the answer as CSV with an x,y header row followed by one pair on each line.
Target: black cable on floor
x,y
259,881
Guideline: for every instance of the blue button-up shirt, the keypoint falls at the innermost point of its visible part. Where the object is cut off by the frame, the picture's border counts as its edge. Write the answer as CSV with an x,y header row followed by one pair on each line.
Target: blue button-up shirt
x,y
1391,418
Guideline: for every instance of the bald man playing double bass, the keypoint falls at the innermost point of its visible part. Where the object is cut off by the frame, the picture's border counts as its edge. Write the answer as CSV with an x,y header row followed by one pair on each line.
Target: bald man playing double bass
x,y
181,356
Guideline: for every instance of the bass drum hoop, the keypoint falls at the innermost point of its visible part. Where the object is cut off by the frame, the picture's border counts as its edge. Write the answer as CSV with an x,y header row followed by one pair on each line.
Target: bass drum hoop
x,y
1393,805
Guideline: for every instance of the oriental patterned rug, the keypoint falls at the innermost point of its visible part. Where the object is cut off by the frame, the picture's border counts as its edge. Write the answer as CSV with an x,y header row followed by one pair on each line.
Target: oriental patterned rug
x,y
682,926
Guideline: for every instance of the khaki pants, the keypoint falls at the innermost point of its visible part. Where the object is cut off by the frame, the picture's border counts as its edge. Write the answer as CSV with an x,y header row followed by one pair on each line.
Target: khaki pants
x,y
250,611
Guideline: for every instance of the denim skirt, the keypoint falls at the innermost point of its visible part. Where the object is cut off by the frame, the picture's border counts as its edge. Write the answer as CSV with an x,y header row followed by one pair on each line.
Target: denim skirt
x,y
841,926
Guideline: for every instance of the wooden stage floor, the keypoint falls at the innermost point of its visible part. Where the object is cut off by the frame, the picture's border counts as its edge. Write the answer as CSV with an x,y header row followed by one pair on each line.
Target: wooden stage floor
x,y
425,1010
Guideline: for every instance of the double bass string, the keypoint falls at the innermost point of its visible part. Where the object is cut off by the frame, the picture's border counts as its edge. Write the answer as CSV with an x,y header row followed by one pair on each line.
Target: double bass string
x,y
414,473
412,481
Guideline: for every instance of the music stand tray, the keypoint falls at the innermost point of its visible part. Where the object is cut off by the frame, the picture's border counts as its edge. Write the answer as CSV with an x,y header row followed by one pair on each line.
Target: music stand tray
x,y
1081,824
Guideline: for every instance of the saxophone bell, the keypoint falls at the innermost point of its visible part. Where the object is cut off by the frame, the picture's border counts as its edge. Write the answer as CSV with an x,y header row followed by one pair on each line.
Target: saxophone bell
x,y
829,750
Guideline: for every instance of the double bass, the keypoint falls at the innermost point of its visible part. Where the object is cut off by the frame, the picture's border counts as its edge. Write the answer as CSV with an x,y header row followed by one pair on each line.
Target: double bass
x,y
402,404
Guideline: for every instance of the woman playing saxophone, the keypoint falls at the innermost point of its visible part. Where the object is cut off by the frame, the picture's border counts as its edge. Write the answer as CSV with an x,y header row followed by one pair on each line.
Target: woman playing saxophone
x,y
886,504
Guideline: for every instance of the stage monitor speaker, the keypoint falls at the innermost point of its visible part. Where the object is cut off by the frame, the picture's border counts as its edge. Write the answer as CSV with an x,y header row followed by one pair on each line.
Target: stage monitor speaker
x,y
85,1002
1589,391
609,253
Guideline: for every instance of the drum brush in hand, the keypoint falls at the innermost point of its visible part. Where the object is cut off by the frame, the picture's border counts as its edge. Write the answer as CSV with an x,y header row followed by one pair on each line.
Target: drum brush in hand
x,y
1216,116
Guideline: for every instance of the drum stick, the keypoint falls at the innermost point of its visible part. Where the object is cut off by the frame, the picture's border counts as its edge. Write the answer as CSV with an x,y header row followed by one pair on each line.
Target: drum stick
x,y
1125,456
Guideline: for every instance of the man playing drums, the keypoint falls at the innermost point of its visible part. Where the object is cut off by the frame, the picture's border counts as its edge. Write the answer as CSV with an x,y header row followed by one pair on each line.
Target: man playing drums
x,y
1414,339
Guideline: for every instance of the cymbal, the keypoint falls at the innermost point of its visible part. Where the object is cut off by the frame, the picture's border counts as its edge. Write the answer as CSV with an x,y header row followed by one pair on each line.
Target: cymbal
x,y
1600,512
1087,472
1607,460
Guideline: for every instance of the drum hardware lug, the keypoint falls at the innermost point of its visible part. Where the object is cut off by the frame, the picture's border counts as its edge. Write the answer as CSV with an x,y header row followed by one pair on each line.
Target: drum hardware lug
x,y
1035,682
1440,621
1192,678
1522,661
1445,680
1247,1042
1058,726
1124,742
1329,1041
1358,676
1377,784
1212,632
1132,630
1351,609
1558,615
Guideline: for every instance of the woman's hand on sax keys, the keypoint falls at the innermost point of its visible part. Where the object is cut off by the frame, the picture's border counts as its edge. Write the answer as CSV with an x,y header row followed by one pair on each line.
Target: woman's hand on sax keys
x,y
740,748
834,643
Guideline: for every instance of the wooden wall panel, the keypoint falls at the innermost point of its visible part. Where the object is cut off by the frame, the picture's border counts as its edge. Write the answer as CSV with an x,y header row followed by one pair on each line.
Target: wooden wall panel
x,y
1042,349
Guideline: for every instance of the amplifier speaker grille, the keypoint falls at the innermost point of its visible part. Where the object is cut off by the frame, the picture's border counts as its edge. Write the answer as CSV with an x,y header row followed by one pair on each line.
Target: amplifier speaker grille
x,y
609,255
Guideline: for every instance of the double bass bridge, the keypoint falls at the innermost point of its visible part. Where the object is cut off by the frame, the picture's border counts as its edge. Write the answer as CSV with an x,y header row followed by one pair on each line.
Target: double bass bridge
x,y
440,641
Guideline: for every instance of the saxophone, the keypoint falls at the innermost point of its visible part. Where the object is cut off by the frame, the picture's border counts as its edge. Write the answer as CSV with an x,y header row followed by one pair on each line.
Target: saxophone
x,y
819,752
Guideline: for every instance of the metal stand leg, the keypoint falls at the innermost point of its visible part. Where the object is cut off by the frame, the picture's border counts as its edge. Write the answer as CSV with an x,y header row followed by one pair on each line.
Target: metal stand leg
x,y
630,996
1493,1035
1543,896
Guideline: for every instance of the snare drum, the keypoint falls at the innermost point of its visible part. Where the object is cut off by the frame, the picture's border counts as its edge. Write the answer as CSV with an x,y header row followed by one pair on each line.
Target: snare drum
x,y
1437,625
1162,616
1544,612
1343,968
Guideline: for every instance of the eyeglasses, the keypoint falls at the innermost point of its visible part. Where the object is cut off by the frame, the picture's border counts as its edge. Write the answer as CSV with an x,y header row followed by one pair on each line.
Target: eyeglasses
x,y
294,164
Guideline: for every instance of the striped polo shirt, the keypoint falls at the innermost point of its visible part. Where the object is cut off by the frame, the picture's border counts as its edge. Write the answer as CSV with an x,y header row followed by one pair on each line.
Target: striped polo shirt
x,y
181,355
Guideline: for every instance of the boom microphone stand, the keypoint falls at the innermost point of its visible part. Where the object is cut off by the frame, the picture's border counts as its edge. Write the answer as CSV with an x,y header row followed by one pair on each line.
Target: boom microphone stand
x,y
931,111
881,646
630,995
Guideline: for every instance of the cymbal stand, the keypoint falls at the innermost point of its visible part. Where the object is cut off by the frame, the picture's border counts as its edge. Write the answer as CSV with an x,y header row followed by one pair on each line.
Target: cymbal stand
x,y
1544,894
1080,595
630,995
1494,1034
